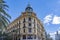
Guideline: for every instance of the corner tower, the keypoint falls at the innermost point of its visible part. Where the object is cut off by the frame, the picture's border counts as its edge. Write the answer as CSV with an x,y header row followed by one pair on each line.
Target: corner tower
x,y
27,26
29,8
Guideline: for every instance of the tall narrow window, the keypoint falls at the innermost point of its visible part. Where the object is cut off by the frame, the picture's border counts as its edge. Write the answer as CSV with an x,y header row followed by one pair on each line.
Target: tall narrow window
x,y
34,26
29,19
34,22
30,29
34,36
24,30
30,37
24,20
19,27
41,34
29,24
24,36
19,39
19,22
24,25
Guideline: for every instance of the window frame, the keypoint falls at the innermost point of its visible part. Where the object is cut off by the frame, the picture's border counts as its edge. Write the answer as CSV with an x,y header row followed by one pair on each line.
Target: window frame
x,y
24,36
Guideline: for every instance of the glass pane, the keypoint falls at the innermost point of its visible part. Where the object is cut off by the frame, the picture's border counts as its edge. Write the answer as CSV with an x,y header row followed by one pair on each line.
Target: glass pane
x,y
24,36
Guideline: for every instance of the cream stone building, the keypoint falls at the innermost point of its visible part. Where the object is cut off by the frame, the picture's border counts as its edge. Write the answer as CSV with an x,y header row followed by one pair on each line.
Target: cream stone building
x,y
26,27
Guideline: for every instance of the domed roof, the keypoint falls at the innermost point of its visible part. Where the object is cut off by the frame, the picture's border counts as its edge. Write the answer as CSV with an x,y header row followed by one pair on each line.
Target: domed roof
x,y
29,8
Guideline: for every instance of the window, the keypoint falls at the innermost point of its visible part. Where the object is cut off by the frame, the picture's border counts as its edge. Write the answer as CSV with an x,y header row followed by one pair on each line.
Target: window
x,y
24,36
19,39
34,36
29,19
30,29
30,37
41,34
24,25
19,22
29,24
19,27
24,20
24,30
34,22
34,30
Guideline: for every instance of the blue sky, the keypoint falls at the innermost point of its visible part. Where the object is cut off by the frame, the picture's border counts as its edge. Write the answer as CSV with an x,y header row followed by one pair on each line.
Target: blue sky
x,y
48,11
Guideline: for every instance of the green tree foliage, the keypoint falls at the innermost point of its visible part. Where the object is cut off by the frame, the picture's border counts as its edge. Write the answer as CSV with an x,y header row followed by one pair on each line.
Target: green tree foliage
x,y
4,17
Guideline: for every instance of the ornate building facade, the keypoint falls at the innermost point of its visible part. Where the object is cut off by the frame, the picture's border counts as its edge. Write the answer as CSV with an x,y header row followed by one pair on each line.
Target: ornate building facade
x,y
26,27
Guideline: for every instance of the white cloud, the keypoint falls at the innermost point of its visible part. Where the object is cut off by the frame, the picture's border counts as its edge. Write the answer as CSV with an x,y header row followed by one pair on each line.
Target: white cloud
x,y
52,19
56,20
48,18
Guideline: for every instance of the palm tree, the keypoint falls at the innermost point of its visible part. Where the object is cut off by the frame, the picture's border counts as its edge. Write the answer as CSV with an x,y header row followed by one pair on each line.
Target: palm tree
x,y
4,21
4,17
